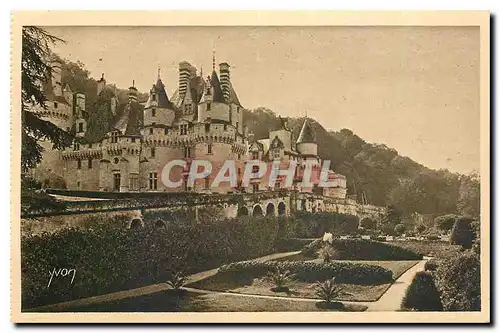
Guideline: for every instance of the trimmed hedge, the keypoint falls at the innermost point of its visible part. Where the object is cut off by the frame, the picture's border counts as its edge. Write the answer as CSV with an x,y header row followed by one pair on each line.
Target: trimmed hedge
x,y
422,294
459,281
362,249
431,265
344,272
108,259
312,225
463,233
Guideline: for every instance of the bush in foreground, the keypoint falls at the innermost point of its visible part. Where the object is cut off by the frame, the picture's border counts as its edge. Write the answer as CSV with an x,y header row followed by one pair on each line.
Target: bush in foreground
x,y
459,281
422,294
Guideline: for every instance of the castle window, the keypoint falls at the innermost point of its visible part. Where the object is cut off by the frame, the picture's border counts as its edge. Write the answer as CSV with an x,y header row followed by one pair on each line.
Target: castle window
x,y
237,126
153,112
153,181
255,155
277,154
153,97
209,148
166,131
78,164
225,126
133,182
90,163
114,137
187,152
80,127
116,160
255,187
117,182
55,105
90,145
209,106
231,116
153,152
207,183
151,130
207,127
184,129
133,140
187,108
277,185
76,146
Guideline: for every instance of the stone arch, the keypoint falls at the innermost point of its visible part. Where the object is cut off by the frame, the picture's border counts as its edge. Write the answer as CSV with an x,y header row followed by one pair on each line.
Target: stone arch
x,y
257,211
270,209
281,208
242,211
136,224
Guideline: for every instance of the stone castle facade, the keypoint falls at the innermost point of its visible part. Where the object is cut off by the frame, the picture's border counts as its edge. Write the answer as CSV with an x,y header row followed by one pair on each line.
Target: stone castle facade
x,y
123,147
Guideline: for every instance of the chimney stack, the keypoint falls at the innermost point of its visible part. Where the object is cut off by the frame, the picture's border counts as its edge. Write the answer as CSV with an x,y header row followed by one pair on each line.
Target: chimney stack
x,y
185,72
225,80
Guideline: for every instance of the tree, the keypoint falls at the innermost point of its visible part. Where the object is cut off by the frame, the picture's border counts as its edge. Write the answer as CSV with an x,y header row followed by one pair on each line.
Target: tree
x,y
422,294
463,233
35,70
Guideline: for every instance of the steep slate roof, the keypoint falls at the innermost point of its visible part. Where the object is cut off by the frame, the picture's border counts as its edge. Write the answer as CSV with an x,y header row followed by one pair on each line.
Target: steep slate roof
x,y
49,93
216,88
307,134
129,118
233,97
162,97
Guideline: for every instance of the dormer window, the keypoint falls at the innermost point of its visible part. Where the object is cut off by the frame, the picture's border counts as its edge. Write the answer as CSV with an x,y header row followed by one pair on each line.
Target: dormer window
x,y
255,155
153,97
153,112
166,131
207,127
114,137
55,105
209,106
80,127
209,148
151,131
76,146
183,129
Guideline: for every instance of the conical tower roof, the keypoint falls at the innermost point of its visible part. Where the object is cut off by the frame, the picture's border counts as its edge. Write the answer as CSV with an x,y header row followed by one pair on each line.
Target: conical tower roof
x,y
307,134
216,88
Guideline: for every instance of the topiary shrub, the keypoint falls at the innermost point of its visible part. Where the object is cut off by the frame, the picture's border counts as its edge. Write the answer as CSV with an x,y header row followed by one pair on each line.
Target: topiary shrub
x,y
445,222
422,294
462,233
399,229
431,265
459,281
368,223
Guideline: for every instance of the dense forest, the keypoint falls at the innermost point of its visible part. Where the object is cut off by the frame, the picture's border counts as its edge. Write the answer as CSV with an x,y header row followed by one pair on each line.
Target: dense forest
x,y
376,174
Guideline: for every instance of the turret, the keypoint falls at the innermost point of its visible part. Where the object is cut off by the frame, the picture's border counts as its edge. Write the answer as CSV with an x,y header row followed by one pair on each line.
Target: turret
x,y
101,84
56,70
306,142
132,93
225,80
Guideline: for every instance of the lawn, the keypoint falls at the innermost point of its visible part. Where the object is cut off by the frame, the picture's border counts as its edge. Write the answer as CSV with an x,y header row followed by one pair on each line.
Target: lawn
x,y
206,302
243,284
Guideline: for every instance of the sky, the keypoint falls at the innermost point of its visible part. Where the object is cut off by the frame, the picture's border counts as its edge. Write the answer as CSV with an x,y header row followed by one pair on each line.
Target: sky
x,y
415,89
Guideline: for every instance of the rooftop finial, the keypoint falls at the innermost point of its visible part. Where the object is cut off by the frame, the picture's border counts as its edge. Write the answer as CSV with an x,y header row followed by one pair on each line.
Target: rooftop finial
x,y
201,71
102,76
133,83
213,59
159,71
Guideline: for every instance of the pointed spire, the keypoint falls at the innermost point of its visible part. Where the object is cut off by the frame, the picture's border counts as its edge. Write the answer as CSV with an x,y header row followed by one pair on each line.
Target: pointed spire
x,y
213,59
307,134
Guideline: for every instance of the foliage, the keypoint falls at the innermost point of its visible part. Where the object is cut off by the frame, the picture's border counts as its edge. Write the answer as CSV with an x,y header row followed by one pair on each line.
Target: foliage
x,y
109,259
445,222
458,279
462,233
345,272
431,265
280,277
316,224
399,229
368,223
177,281
35,70
362,249
328,290
327,253
420,228
422,294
